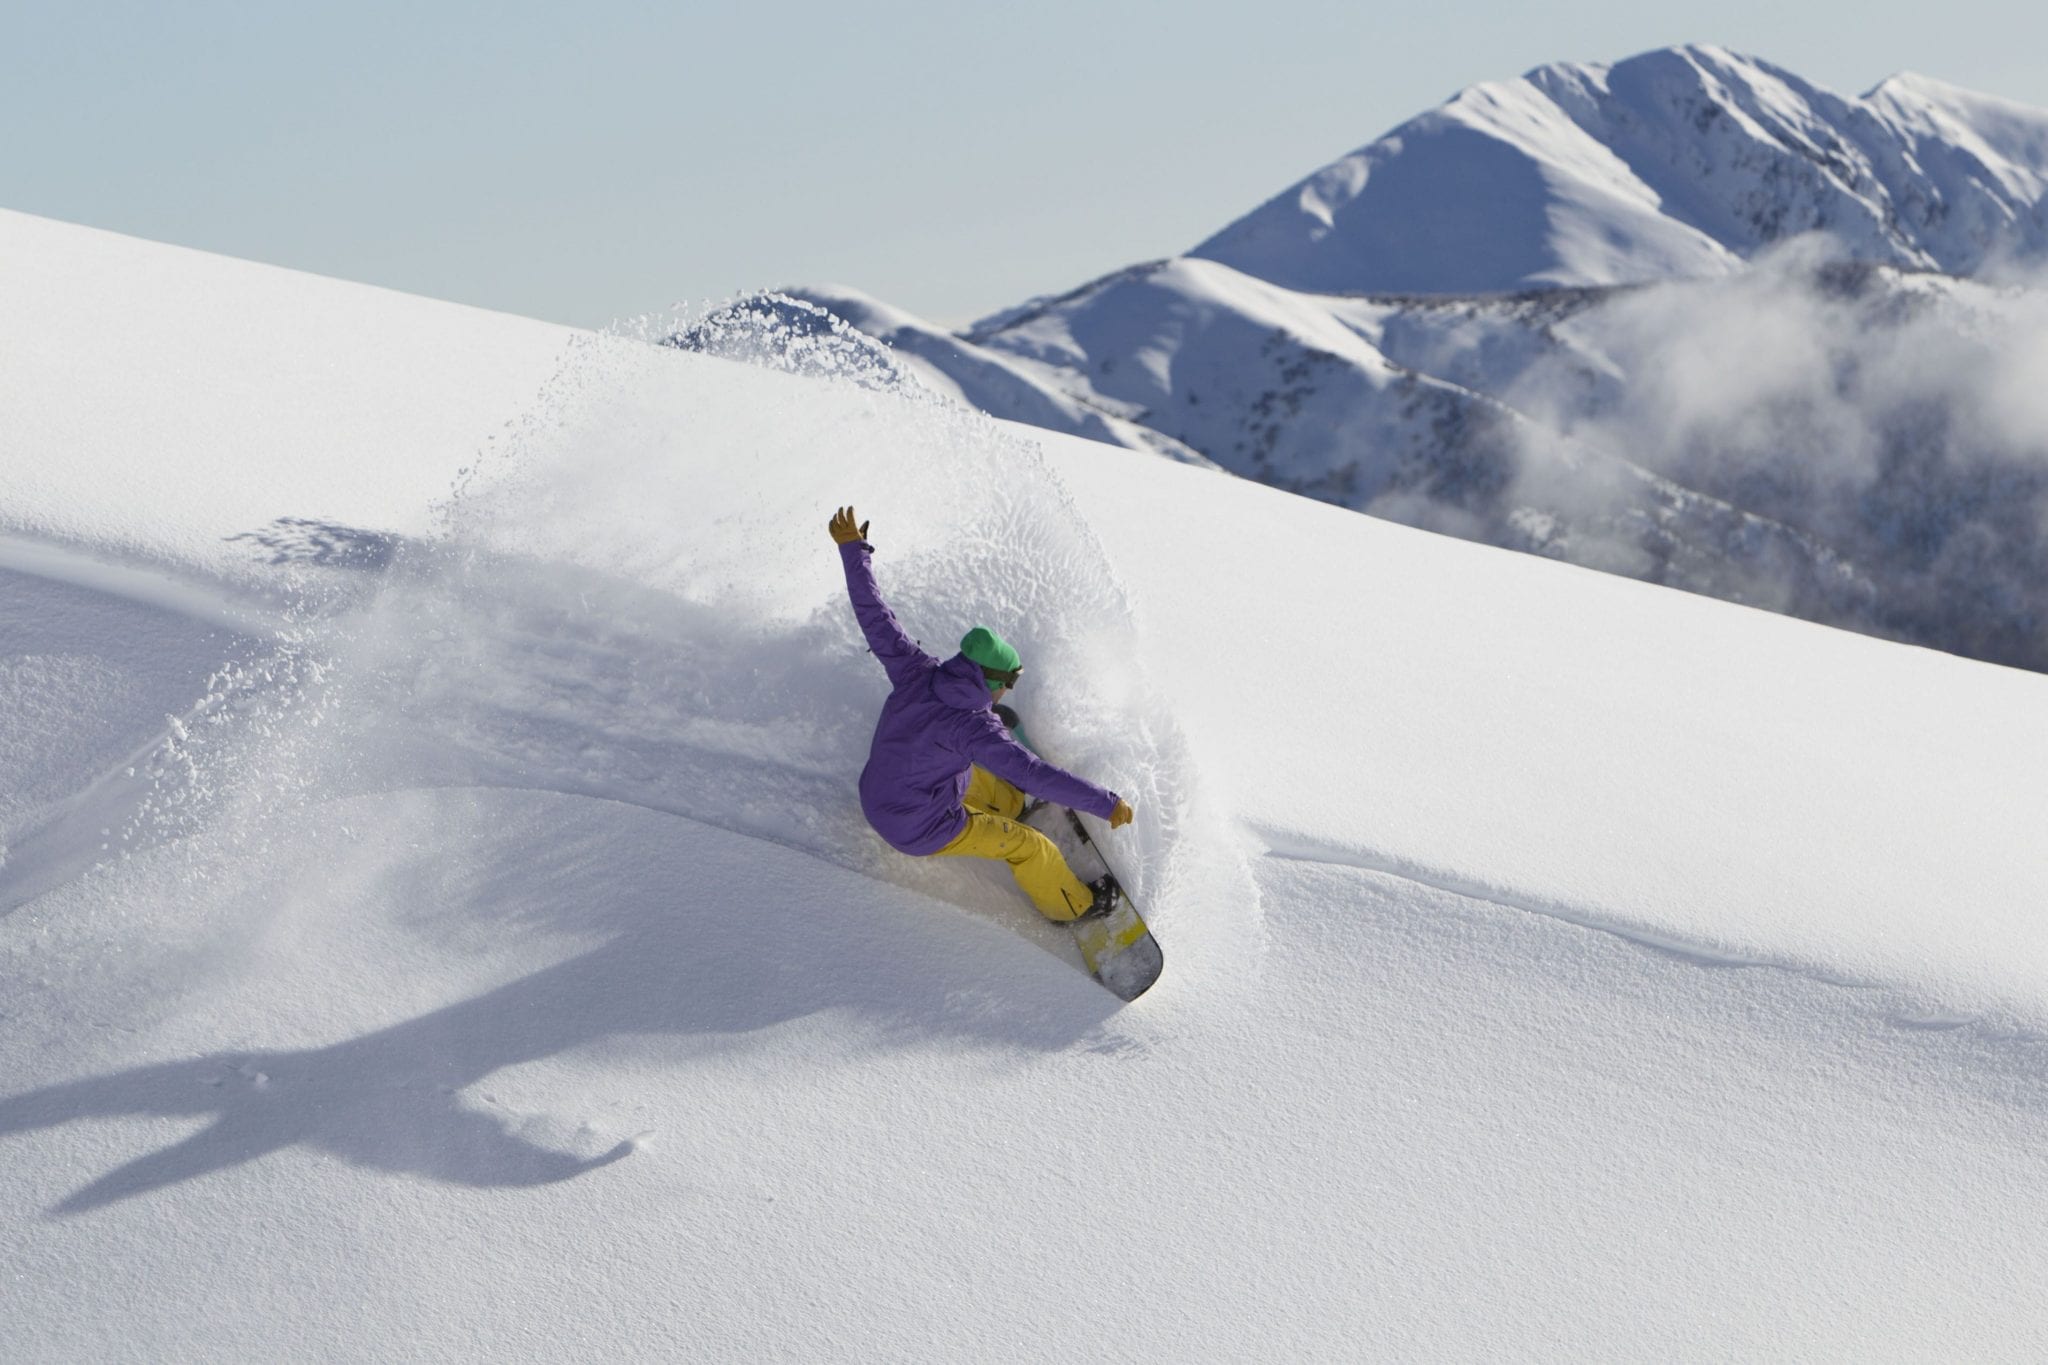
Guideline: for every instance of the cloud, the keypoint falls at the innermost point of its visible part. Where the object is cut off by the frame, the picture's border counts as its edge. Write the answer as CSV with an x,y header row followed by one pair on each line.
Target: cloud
x,y
1891,426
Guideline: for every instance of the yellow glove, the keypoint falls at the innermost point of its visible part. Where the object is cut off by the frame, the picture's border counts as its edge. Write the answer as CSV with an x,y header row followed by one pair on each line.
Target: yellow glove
x,y
1121,816
844,532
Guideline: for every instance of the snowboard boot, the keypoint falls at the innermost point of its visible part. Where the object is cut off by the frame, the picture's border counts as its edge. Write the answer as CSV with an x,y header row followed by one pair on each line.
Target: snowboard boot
x,y
1107,897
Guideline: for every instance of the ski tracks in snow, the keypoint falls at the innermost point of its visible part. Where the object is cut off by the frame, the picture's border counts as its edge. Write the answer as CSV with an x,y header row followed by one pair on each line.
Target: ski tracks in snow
x,y
1908,1010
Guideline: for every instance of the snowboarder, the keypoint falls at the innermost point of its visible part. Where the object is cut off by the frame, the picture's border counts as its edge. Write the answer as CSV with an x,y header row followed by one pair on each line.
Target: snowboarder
x,y
944,778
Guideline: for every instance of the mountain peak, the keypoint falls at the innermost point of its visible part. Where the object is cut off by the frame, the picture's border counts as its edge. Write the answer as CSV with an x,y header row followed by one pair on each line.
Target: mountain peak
x,y
1682,161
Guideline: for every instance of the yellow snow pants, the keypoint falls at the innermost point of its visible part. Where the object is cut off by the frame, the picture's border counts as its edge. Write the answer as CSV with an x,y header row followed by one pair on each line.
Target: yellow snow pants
x,y
993,832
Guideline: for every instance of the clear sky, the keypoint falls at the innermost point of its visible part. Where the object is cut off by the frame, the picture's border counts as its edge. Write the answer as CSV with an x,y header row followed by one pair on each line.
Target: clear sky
x,y
585,162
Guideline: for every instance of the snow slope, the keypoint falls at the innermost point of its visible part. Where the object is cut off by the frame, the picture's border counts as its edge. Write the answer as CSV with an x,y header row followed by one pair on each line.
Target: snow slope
x,y
490,958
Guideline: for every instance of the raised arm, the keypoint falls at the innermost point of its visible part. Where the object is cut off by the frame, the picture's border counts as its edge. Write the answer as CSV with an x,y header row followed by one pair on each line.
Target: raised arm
x,y
897,651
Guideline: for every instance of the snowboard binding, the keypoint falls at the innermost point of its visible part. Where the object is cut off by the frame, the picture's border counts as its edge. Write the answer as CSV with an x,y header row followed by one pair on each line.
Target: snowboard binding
x,y
1107,895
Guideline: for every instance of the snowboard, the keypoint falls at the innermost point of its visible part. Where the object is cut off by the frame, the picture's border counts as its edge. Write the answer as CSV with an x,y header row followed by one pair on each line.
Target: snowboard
x,y
1118,947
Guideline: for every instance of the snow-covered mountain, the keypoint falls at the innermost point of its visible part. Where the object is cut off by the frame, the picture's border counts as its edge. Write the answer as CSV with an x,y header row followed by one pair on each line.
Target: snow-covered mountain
x,y
1686,318
1681,163
436,920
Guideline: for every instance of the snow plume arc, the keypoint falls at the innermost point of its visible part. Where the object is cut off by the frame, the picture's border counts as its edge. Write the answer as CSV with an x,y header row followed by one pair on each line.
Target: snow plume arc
x,y
632,598
682,501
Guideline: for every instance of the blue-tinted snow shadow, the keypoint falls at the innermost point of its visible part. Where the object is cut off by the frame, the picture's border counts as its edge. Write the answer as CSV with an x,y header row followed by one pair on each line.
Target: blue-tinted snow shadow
x,y
685,964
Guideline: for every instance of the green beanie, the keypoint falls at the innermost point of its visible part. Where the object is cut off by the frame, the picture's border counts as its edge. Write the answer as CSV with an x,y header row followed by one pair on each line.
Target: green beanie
x,y
999,661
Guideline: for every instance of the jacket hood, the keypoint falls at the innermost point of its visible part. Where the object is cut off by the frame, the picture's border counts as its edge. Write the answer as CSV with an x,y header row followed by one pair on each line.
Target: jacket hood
x,y
960,685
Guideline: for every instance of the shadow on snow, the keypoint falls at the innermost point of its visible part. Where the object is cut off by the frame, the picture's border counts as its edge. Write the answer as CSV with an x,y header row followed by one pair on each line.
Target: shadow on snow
x,y
680,967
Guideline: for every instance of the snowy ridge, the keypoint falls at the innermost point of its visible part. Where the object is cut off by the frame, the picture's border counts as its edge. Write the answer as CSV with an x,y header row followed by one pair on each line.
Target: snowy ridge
x,y
1002,385
1405,409
492,958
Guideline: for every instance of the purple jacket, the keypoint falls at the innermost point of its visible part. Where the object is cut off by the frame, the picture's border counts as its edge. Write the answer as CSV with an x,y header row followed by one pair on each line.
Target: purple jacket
x,y
938,722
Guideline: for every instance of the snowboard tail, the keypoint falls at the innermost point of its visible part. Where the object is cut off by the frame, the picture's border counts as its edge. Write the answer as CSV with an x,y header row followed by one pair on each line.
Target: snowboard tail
x,y
1118,947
